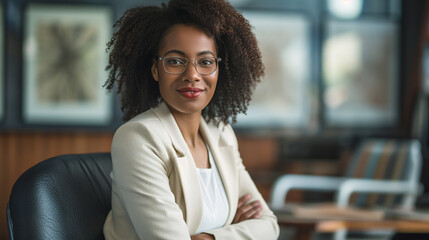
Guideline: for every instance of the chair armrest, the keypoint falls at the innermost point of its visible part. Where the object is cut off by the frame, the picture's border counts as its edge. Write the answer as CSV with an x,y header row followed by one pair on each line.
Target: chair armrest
x,y
349,186
285,183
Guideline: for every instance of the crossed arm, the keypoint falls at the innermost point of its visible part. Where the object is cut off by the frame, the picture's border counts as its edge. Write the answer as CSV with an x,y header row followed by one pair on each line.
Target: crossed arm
x,y
245,210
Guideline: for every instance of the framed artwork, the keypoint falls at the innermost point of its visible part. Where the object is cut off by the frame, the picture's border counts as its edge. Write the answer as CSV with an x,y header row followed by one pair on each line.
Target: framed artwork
x,y
281,98
64,60
2,55
360,78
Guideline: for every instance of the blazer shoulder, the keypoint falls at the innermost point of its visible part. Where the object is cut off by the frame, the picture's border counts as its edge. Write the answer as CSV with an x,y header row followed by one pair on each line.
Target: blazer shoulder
x,y
225,132
144,129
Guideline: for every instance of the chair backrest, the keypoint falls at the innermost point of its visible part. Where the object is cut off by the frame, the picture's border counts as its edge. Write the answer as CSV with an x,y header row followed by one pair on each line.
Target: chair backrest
x,y
385,159
65,197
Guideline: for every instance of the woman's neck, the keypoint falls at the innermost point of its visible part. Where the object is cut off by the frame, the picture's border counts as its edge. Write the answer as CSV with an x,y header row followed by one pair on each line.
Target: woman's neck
x,y
189,125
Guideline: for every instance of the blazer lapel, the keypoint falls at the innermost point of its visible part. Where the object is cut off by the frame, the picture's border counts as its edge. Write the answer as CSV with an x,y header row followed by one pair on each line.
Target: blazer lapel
x,y
223,154
186,169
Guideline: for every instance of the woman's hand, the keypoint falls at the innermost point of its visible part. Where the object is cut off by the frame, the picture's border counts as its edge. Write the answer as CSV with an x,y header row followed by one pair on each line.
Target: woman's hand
x,y
202,236
246,210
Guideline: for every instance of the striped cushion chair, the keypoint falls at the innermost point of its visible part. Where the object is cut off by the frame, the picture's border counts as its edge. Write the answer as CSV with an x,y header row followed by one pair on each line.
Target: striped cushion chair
x,y
381,172
383,160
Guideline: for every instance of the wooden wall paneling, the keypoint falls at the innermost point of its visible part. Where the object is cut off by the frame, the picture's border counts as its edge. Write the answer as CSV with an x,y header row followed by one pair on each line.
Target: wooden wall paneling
x,y
26,152
83,142
50,147
4,183
3,166
258,153
260,157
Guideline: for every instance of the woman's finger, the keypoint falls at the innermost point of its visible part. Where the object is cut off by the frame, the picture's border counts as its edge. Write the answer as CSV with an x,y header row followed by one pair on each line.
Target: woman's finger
x,y
251,211
247,211
243,200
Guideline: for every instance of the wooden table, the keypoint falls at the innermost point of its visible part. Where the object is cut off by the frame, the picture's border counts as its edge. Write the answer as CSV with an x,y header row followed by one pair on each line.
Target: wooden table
x,y
305,227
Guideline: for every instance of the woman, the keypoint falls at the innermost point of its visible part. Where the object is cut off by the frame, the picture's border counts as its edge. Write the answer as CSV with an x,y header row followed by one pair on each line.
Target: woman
x,y
184,70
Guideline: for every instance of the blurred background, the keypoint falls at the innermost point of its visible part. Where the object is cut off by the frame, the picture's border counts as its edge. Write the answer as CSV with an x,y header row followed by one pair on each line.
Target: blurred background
x,y
337,72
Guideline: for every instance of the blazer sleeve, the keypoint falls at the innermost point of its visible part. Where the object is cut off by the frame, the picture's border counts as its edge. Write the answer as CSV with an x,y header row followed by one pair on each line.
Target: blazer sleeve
x,y
266,227
141,179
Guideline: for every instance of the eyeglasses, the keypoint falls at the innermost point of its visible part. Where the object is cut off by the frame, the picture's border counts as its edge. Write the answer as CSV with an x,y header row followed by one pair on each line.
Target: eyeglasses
x,y
177,65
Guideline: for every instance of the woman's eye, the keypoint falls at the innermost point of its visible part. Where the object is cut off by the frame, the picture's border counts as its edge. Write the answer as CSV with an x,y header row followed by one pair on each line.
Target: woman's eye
x,y
175,61
206,62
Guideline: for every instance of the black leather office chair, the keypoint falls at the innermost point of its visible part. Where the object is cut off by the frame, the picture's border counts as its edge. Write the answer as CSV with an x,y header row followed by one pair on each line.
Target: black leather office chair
x,y
65,197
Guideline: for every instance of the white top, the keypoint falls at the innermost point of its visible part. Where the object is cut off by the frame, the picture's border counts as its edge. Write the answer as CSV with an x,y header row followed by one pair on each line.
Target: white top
x,y
215,202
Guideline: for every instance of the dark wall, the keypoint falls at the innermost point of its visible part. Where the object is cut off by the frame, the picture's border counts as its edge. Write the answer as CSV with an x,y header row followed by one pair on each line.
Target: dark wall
x,y
315,10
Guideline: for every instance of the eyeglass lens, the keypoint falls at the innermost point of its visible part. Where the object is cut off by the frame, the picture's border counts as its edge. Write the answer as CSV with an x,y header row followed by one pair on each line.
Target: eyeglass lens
x,y
177,65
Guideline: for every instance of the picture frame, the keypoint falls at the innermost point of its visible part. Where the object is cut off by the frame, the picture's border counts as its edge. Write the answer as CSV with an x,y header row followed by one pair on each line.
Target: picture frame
x,y
286,58
425,69
359,68
64,60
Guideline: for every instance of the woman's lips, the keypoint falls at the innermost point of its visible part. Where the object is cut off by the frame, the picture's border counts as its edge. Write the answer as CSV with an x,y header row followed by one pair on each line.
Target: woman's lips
x,y
190,93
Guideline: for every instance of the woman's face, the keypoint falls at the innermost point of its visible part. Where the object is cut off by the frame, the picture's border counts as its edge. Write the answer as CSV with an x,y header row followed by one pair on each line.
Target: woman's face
x,y
188,92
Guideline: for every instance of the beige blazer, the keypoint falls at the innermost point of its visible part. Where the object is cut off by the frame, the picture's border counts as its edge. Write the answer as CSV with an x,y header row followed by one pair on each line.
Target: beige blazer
x,y
156,191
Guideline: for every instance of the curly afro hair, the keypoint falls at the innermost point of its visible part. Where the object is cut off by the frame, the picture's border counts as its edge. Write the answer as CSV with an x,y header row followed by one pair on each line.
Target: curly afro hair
x,y
134,46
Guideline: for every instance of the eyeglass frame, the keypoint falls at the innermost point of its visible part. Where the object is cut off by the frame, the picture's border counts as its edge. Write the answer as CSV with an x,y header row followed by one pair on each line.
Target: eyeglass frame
x,y
217,59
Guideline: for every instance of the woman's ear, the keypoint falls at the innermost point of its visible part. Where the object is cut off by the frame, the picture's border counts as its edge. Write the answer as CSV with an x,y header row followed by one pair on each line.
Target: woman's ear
x,y
154,71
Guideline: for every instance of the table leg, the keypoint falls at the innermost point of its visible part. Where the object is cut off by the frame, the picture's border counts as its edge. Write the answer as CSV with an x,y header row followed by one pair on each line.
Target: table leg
x,y
340,234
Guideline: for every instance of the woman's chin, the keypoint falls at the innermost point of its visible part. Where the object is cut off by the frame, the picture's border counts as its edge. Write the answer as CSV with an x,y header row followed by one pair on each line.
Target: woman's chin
x,y
191,107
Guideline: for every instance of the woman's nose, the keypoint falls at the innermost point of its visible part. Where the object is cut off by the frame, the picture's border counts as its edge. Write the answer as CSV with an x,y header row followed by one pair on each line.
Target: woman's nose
x,y
191,73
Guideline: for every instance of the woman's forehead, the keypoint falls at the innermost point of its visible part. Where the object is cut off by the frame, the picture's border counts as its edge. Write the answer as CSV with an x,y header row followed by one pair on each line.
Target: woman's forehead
x,y
187,39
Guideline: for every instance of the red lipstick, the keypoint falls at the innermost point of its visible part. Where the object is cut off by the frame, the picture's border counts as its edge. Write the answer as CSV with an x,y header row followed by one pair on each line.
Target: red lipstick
x,y
190,93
